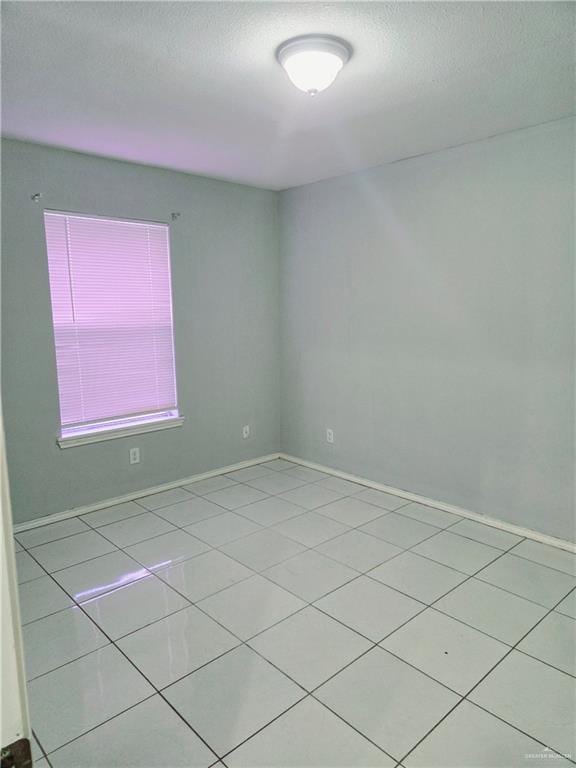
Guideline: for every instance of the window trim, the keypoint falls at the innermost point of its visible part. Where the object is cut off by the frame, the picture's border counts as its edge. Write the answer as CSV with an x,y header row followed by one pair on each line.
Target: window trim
x,y
114,434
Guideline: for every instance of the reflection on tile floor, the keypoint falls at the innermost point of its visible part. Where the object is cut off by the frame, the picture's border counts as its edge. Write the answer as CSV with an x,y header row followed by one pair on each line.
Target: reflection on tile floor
x,y
279,617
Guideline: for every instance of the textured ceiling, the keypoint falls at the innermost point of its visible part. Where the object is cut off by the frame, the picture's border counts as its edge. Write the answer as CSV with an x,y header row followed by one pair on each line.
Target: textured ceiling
x,y
195,86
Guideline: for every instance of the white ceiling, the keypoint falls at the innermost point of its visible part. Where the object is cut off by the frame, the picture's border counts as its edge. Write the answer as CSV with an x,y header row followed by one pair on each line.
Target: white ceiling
x,y
195,86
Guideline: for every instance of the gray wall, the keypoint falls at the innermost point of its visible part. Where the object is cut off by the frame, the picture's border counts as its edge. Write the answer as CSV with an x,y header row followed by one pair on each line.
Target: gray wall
x,y
427,317
225,286
428,320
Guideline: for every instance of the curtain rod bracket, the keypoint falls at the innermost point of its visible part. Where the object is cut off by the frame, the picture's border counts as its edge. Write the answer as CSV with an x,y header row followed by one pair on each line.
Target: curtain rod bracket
x,y
36,197
174,216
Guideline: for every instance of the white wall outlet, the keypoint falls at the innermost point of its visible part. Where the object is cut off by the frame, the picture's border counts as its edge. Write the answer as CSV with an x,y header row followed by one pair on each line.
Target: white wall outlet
x,y
134,455
329,435
246,431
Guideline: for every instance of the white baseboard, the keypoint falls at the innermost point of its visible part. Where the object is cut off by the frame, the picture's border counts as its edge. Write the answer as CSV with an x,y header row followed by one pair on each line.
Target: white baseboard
x,y
55,518
528,533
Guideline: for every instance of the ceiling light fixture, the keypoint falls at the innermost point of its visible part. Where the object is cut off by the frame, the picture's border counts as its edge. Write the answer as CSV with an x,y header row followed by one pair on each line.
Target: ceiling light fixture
x,y
312,62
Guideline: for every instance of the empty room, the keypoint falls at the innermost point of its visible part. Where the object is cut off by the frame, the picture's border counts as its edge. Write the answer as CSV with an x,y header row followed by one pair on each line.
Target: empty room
x,y
287,440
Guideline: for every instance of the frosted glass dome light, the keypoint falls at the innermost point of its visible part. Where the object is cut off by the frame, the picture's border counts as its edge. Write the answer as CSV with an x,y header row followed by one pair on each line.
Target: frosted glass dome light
x,y
312,62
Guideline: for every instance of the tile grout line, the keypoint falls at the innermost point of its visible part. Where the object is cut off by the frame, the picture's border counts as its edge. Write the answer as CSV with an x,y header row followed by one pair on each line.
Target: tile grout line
x,y
72,565
322,704
262,573
109,643
542,661
475,574
160,691
242,642
44,755
496,523
372,646
366,573
237,510
489,672
307,692
356,631
377,645
195,495
388,634
140,541
307,549
155,689
100,629
542,565
359,527
329,473
52,541
349,529
308,604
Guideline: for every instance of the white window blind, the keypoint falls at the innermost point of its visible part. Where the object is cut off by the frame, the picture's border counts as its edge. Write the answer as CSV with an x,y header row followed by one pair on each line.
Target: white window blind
x,y
112,314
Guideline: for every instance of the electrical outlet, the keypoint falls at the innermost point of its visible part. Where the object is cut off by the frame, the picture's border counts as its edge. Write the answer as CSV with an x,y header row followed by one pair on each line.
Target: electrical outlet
x,y
246,431
134,455
329,436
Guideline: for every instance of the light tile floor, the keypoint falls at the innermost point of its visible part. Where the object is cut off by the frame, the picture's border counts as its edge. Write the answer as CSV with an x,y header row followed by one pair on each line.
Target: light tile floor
x,y
280,617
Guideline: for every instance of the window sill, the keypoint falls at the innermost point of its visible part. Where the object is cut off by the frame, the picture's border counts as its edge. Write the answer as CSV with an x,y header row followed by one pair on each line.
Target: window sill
x,y
114,434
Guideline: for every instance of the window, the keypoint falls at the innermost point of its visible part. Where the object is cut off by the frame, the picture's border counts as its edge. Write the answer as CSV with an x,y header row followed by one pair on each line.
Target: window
x,y
113,331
